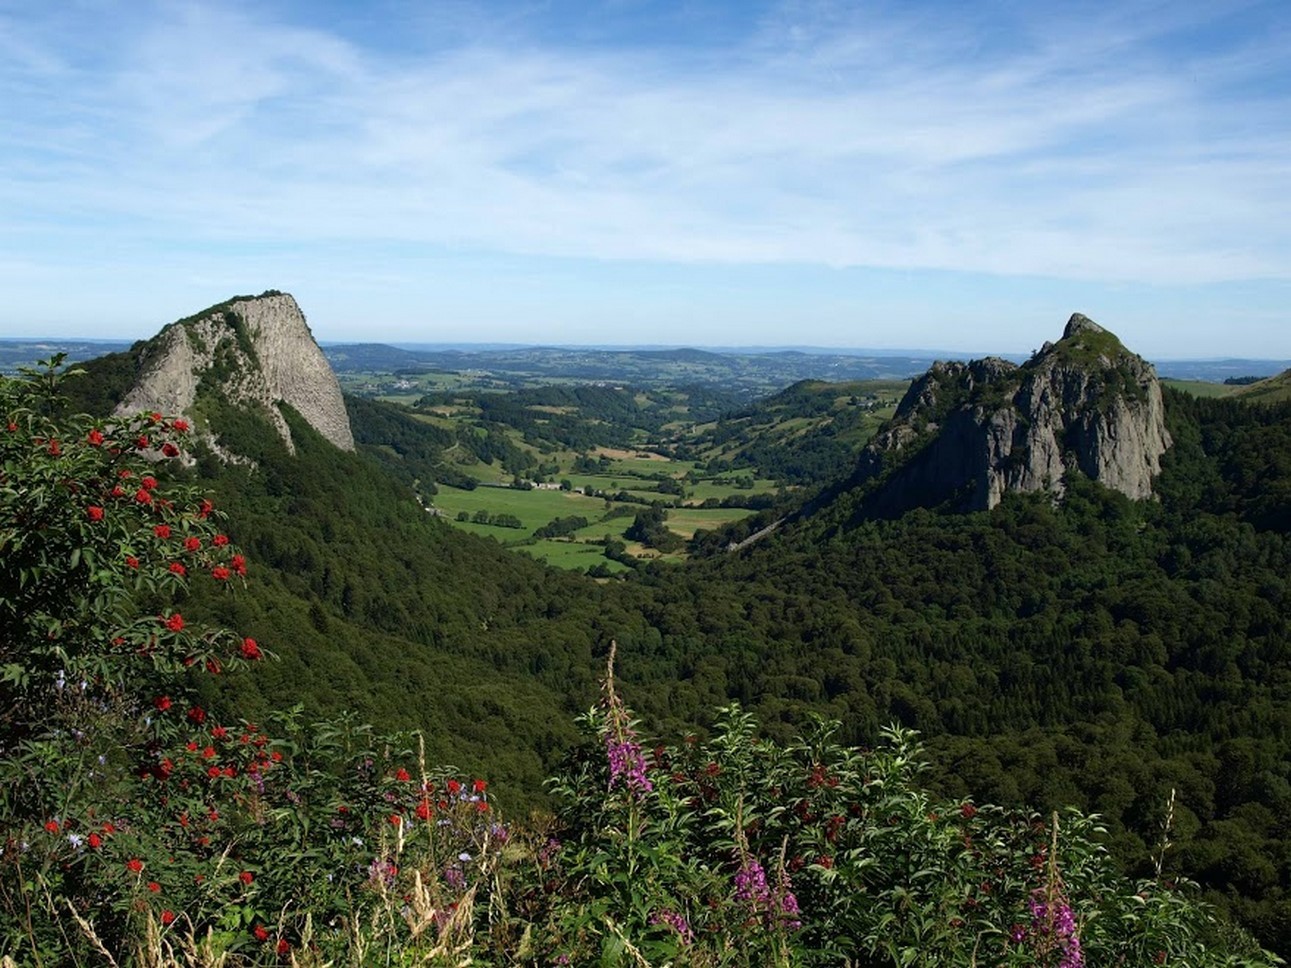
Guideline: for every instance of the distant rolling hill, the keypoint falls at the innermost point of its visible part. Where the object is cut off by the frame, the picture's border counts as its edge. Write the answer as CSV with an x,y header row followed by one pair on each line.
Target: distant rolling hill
x,y
753,372
15,353
748,375
806,434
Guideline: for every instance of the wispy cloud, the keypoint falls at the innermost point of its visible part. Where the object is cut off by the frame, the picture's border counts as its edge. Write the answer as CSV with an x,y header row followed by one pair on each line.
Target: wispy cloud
x,y
1111,147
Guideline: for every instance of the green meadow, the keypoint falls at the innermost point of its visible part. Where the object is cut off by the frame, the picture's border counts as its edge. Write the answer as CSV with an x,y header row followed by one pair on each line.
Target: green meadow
x,y
582,549
534,508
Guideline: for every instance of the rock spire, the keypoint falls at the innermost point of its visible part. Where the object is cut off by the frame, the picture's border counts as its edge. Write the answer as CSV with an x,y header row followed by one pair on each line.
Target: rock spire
x,y
255,351
969,433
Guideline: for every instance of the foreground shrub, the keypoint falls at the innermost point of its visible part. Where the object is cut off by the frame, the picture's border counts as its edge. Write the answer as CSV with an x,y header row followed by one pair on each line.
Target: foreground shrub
x,y
739,851
138,824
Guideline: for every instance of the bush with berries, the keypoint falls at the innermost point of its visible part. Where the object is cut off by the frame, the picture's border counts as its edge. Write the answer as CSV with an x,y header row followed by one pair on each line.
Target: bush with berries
x,y
136,823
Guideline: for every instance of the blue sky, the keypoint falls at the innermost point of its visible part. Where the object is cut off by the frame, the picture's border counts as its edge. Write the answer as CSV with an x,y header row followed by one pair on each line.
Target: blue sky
x,y
949,176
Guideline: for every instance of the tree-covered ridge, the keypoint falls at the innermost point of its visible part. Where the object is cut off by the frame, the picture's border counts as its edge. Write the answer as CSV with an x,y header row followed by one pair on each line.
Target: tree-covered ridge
x,y
1098,652
806,434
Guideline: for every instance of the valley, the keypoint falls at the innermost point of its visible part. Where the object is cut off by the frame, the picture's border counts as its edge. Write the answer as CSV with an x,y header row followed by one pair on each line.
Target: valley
x,y
589,461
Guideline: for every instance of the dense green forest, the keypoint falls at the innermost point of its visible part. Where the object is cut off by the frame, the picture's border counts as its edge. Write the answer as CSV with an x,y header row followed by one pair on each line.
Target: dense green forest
x,y
1100,652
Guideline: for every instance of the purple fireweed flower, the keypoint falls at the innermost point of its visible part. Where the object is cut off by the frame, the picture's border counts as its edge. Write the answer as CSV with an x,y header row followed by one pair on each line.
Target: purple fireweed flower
x,y
789,911
675,921
627,764
1053,927
787,916
779,910
751,884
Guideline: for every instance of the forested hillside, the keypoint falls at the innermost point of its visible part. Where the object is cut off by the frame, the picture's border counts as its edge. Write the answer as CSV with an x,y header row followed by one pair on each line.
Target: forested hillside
x,y
1100,652
381,608
807,433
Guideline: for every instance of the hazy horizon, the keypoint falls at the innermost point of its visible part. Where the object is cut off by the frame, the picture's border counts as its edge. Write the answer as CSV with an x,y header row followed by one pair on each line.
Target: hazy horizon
x,y
920,353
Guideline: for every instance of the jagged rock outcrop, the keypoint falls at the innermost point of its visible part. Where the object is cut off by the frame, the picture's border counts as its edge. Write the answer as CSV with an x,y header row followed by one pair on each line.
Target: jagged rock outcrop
x,y
969,433
255,351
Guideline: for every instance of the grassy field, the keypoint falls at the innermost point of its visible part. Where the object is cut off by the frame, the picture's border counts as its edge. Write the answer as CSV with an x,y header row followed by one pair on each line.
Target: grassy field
x,y
1201,388
703,490
436,419
583,548
1273,390
570,554
534,508
686,521
632,463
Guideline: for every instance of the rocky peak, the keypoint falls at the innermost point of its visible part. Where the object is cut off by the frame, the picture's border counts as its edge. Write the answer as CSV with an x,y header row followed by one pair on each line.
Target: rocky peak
x,y
1080,323
971,432
255,351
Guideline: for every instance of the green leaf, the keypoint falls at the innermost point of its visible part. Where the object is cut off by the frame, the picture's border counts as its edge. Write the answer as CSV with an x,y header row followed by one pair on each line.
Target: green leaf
x,y
611,950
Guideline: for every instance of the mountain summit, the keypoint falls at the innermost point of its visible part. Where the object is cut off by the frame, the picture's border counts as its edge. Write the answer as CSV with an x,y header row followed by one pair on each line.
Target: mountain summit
x,y
254,351
968,433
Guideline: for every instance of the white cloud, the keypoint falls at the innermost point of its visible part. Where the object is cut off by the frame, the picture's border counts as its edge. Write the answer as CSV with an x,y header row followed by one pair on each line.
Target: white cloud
x,y
1063,147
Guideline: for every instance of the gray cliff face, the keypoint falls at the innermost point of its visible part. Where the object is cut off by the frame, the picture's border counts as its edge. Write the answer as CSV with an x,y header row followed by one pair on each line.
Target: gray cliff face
x,y
971,433
260,351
